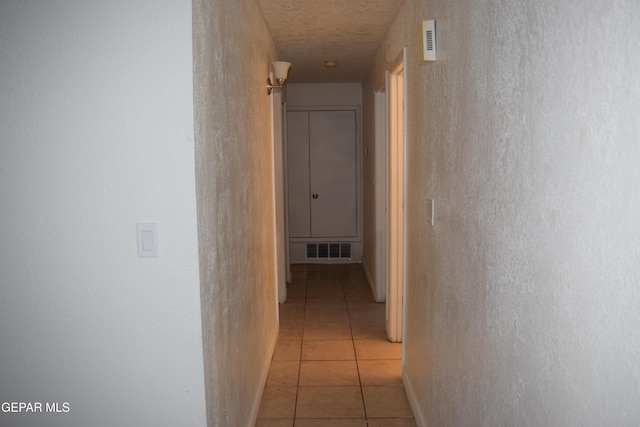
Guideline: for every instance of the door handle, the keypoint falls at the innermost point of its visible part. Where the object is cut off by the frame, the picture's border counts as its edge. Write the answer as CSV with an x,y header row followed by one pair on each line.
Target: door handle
x,y
314,195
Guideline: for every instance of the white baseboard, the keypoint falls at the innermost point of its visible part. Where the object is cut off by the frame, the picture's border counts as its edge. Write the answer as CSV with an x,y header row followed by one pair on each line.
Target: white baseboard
x,y
372,284
263,378
418,416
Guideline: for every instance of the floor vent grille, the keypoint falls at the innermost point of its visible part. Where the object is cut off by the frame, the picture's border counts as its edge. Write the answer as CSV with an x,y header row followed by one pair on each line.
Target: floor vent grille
x,y
328,250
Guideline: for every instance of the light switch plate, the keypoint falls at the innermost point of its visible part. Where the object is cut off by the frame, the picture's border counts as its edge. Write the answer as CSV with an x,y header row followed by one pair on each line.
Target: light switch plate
x,y
147,240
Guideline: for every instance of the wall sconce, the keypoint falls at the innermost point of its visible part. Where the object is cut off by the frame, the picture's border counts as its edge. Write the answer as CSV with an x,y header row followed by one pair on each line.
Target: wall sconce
x,y
280,73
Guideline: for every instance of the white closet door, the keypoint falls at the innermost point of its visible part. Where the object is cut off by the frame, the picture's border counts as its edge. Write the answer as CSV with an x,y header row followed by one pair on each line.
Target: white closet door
x,y
333,173
298,173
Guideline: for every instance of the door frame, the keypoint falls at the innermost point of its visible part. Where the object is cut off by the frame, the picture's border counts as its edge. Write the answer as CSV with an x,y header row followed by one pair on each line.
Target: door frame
x,y
381,166
282,270
396,196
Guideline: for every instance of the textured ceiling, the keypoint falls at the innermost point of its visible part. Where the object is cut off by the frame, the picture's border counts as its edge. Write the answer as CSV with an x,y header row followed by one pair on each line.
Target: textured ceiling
x,y
308,32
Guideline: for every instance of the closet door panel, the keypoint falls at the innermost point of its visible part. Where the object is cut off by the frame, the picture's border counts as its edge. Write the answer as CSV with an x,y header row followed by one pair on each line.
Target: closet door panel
x,y
333,173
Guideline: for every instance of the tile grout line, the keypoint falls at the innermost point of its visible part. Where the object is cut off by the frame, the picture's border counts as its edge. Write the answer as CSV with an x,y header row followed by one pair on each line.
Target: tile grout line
x,y
304,318
355,354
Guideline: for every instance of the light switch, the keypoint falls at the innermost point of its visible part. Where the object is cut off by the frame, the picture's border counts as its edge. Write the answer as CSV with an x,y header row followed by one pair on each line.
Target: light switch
x,y
147,240
431,211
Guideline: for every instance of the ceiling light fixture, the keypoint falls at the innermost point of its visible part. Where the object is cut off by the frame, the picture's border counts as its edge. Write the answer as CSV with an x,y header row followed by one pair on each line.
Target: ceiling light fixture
x,y
331,63
278,78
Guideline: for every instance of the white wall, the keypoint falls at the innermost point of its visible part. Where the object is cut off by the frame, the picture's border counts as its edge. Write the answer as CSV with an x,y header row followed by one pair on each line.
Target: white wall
x,y
522,301
234,170
323,94
96,135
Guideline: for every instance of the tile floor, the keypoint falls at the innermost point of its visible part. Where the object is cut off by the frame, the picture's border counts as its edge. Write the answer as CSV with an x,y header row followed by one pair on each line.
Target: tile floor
x,y
333,365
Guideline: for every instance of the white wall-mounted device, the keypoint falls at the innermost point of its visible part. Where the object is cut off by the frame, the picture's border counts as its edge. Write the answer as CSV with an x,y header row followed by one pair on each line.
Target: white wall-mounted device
x,y
428,36
147,240
431,211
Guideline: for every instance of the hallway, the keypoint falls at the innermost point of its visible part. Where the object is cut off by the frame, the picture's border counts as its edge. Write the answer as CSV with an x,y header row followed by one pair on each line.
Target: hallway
x,y
333,365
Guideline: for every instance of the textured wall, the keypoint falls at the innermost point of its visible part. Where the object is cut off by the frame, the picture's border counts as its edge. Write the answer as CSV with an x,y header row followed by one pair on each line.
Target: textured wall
x,y
96,134
234,172
522,301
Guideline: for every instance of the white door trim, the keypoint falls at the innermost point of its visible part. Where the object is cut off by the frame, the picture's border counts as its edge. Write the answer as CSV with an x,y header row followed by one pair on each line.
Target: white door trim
x,y
396,95
381,194
287,253
279,197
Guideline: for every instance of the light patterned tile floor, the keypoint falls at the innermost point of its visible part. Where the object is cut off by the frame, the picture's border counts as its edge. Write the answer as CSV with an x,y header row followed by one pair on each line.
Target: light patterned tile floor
x,y
333,365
